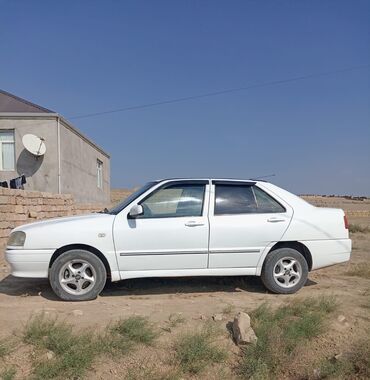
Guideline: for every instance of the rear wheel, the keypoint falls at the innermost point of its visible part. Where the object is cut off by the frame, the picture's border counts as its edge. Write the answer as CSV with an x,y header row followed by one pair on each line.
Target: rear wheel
x,y
77,275
285,271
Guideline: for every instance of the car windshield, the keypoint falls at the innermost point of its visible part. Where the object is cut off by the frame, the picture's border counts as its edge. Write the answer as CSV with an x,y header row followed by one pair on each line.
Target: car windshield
x,y
115,210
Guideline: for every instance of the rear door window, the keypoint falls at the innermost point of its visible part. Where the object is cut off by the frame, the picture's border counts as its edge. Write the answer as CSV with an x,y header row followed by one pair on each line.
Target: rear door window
x,y
244,199
234,199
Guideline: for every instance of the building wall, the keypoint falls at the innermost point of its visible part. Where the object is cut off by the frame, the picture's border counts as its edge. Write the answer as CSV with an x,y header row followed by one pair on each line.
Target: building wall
x,y
19,207
42,172
78,160
79,168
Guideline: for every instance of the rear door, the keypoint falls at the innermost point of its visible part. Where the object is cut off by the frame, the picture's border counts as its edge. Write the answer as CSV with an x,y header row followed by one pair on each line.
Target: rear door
x,y
244,219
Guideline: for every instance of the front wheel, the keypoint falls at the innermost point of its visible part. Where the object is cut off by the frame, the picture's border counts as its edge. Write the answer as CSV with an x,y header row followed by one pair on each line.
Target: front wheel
x,y
285,271
77,275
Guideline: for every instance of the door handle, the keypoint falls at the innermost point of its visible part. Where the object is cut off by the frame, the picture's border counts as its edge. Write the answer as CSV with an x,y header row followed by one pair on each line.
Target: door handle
x,y
192,223
275,220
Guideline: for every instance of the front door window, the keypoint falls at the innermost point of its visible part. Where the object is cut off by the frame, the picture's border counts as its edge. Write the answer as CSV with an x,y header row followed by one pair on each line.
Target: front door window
x,y
178,200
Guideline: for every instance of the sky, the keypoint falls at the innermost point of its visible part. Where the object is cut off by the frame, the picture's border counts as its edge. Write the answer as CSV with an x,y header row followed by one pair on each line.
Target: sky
x,y
85,56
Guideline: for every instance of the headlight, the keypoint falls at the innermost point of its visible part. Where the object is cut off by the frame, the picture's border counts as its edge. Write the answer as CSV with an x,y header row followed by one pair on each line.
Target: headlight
x,y
17,239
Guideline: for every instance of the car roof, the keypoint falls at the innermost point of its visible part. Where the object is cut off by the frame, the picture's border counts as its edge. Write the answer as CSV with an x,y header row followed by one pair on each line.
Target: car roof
x,y
211,179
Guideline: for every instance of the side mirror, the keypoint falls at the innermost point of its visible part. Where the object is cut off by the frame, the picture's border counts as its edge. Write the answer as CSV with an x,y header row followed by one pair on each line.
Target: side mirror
x,y
136,210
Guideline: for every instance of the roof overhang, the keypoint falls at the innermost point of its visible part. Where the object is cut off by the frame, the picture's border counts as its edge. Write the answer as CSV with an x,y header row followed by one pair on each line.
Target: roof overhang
x,y
52,116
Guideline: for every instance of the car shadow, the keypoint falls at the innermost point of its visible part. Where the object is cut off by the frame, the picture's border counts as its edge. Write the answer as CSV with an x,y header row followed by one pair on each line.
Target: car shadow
x,y
28,287
183,285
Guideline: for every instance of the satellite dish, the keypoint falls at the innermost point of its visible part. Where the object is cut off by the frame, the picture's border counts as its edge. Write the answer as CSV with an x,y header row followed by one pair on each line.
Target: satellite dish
x,y
34,144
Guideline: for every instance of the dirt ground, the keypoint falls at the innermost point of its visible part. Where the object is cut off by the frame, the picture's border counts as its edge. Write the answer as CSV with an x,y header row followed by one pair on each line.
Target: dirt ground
x,y
197,299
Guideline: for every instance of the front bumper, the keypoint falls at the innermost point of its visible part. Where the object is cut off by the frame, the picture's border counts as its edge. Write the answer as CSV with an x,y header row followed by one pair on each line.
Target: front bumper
x,y
29,262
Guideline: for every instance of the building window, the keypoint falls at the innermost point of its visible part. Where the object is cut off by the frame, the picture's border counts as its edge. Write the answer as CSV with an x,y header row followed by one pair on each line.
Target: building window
x,y
7,150
99,173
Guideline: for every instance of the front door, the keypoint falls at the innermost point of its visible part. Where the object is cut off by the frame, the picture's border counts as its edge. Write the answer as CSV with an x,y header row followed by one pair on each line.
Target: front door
x,y
171,234
244,219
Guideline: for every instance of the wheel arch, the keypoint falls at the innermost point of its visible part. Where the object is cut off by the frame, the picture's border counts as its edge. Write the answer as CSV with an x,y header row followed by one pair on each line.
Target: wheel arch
x,y
85,247
298,246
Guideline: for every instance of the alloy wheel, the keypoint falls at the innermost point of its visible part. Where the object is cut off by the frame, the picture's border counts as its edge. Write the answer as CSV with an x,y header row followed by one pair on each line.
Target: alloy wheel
x,y
77,277
287,272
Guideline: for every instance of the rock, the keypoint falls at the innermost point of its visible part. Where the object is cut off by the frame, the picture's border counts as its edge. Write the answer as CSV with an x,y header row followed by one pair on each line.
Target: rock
x,y
77,313
217,317
317,373
32,214
202,317
242,330
337,357
341,319
50,355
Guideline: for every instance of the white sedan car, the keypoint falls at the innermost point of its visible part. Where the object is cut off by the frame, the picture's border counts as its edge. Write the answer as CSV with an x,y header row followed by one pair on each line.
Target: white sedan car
x,y
184,227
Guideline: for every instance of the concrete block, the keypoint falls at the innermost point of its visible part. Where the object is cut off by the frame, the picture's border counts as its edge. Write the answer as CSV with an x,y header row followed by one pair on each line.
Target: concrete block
x,y
4,199
7,208
18,209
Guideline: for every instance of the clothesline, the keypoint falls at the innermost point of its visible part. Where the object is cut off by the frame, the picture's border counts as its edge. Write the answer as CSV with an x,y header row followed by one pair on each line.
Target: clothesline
x,y
15,183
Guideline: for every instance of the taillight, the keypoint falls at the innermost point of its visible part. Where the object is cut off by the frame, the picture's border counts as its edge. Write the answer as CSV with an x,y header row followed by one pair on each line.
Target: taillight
x,y
346,225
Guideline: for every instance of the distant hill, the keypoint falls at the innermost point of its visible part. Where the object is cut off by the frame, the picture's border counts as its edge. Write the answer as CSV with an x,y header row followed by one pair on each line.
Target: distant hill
x,y
353,206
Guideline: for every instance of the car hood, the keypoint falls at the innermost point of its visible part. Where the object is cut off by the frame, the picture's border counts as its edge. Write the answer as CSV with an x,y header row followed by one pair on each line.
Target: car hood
x,y
93,229
63,221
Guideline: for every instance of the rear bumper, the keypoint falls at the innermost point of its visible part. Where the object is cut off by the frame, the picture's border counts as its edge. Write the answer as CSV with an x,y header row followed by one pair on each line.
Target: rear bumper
x,y
328,252
29,263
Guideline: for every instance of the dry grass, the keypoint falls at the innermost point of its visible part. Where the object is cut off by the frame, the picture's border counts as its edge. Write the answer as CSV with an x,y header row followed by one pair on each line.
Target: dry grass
x,y
74,352
135,329
8,373
355,364
359,270
152,373
195,351
354,228
175,319
280,332
5,347
228,309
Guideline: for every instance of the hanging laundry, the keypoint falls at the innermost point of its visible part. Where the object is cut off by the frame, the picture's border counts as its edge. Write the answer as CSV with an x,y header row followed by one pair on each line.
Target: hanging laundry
x,y
17,183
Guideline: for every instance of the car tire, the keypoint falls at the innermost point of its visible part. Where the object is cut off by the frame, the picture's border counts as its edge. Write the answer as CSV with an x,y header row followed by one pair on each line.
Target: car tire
x,y
284,271
77,275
